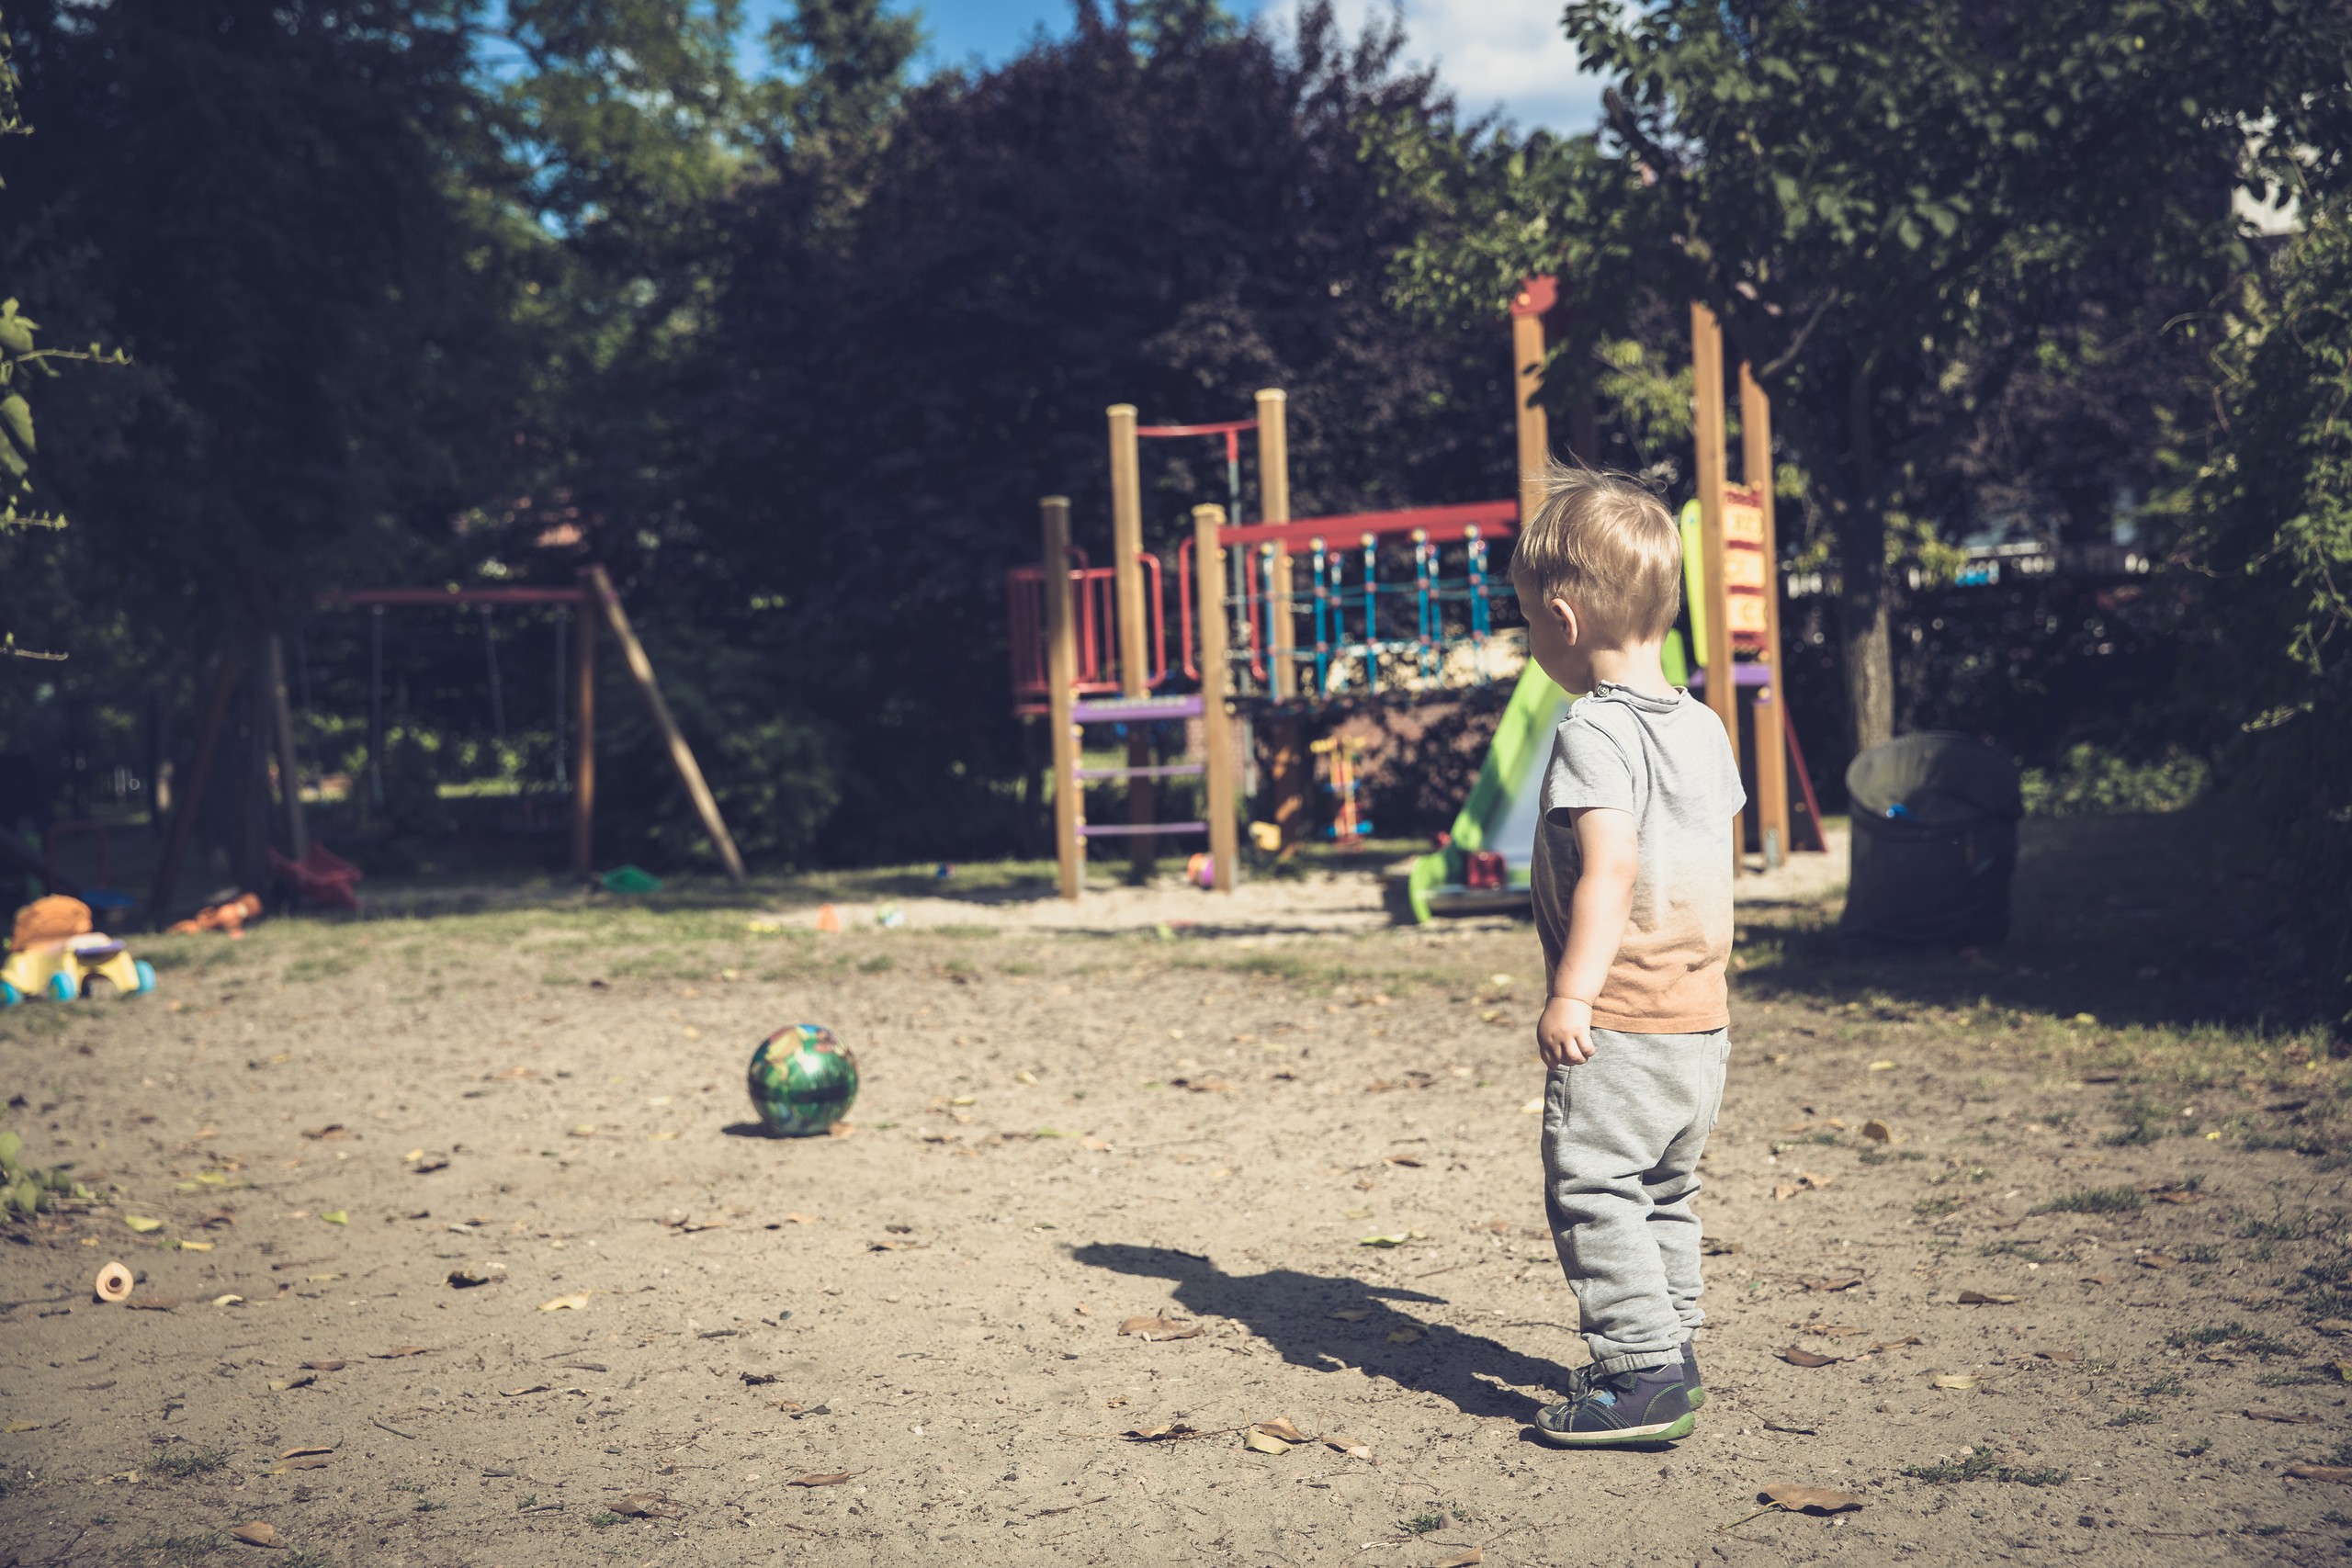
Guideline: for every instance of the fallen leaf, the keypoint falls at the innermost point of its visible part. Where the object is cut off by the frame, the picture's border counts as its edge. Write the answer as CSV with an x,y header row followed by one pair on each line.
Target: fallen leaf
x,y
256,1534
1411,1161
187,1246
308,1452
1844,1284
142,1224
833,1478
1897,1343
2056,1356
1095,1146
1959,1383
1878,1132
1532,1107
1284,1428
1810,1499
294,1465
2333,1325
2340,1474
2175,1194
281,1385
1978,1298
1404,1335
1807,1179
1784,1190
1881,1066
13,1428
2097,1280
647,1506
430,1164
519,1392
1156,1328
1349,1315
1397,1240
228,1301
2156,1260
1259,1442
332,1130
567,1304
2285,1418
1798,1356
1466,1558
396,1352
335,1217
1156,1434
2343,1371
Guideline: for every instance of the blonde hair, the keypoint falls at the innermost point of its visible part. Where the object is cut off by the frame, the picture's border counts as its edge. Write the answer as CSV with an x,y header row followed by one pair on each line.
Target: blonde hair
x,y
1608,546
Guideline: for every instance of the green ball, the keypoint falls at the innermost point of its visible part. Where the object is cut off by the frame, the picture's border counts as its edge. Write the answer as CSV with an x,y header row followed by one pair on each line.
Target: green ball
x,y
803,1080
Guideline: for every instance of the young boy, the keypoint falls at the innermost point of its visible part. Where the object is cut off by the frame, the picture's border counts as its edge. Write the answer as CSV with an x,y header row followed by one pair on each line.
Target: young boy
x,y
1632,884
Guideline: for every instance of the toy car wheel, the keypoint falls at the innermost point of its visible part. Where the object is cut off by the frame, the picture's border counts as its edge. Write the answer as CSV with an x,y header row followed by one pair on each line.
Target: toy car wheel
x,y
61,987
9,995
146,976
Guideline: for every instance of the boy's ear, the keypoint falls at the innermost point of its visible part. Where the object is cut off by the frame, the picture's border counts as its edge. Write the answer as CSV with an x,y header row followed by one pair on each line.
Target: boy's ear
x,y
1565,614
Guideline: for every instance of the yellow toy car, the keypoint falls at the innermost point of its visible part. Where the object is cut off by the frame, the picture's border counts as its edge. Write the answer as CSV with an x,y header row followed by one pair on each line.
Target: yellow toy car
x,y
57,955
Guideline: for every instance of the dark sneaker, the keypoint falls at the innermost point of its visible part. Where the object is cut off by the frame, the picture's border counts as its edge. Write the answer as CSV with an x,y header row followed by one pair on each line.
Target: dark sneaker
x,y
1690,1375
1606,1410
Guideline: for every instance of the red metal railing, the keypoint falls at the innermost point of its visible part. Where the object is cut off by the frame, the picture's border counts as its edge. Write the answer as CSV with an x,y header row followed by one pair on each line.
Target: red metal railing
x,y
1094,612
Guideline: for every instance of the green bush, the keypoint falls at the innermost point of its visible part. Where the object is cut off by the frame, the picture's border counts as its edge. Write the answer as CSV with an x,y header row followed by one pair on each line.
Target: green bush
x,y
25,1189
2089,780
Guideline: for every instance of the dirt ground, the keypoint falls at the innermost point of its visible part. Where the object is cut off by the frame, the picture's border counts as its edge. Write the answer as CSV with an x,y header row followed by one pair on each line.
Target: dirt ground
x,y
905,1345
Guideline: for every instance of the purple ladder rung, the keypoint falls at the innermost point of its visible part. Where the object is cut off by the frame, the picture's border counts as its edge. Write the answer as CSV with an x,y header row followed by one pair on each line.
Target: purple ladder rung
x,y
1171,770
1741,675
1136,710
1132,830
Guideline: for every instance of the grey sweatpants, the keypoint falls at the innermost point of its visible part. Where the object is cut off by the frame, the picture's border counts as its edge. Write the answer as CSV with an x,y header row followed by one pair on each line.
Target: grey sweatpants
x,y
1622,1134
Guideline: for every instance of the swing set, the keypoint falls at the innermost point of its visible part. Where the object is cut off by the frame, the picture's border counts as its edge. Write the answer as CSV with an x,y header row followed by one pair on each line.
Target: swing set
x,y
315,872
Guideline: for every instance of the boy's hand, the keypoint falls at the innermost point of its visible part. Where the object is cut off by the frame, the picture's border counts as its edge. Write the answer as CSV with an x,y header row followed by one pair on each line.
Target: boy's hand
x,y
1564,1032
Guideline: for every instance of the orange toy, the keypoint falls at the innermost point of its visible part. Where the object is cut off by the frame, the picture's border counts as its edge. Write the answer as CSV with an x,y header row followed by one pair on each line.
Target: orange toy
x,y
229,918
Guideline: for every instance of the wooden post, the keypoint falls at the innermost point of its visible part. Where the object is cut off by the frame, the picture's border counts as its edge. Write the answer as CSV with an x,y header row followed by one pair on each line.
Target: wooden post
x,y
289,776
1536,296
1771,707
1274,506
1127,560
682,756
1061,674
1707,393
583,742
226,668
1216,725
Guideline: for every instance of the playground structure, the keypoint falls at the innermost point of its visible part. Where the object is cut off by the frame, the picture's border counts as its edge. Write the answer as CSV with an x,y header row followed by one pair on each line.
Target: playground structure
x,y
309,869
1276,616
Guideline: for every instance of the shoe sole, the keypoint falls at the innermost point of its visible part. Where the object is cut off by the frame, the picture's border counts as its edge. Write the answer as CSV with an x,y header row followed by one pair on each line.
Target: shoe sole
x,y
1662,1432
1698,1397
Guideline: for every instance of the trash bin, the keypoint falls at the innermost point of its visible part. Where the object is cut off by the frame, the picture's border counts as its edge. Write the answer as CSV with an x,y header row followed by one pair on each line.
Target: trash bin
x,y
1935,842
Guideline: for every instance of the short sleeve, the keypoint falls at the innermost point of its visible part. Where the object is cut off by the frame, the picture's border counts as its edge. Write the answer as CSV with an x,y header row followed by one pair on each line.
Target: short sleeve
x,y
1588,769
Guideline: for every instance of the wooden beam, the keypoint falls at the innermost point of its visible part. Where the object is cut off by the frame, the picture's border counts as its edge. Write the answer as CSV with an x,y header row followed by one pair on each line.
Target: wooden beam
x,y
1274,506
289,776
1771,705
583,746
1707,394
1216,725
227,666
1061,674
1536,296
1134,676
681,755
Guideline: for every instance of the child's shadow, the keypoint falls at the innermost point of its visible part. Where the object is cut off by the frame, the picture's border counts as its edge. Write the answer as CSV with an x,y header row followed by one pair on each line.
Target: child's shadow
x,y
1292,1312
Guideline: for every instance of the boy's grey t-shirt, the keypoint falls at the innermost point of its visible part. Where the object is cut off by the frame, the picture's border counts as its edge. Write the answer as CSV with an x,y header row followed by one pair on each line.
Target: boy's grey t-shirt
x,y
1667,762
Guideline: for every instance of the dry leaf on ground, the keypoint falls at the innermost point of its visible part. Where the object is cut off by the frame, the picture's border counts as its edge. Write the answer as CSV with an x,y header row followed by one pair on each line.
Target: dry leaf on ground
x,y
1404,1335
1282,1427
567,1304
1396,1240
1341,1443
324,1366
2341,1473
1961,1382
1842,1283
313,1462
1468,1557
283,1385
305,1453
2056,1356
2288,1417
830,1478
1169,1433
1798,1356
1784,1190
1897,1343
396,1352
1980,1298
2333,1325
518,1392
1349,1315
1156,1328
256,1534
1812,1499
1259,1442
142,1224
2156,1260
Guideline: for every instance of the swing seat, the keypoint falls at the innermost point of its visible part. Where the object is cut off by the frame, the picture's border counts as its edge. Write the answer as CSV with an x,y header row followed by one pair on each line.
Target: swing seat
x,y
320,876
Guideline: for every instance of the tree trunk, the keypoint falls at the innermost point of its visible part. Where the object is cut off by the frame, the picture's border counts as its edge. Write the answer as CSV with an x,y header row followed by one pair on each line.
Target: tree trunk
x,y
1866,596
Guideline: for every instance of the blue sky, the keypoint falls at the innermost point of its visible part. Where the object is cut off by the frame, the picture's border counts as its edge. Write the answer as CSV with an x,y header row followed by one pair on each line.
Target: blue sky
x,y
1506,55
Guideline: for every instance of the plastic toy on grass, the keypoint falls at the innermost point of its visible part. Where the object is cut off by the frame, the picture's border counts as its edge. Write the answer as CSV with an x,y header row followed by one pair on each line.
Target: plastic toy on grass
x,y
228,918
54,954
802,1081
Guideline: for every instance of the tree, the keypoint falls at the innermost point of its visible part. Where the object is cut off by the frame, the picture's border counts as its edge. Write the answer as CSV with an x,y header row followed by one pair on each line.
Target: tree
x,y
1888,204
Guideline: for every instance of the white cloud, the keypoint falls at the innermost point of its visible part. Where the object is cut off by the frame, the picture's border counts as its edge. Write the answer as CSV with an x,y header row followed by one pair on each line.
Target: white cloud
x,y
1507,55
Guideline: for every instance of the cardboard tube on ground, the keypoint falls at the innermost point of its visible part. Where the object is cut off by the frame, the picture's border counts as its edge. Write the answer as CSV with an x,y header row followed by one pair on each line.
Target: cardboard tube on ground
x,y
113,1284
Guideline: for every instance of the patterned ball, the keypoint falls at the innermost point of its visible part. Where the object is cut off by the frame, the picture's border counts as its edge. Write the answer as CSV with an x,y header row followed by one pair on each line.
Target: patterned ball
x,y
803,1080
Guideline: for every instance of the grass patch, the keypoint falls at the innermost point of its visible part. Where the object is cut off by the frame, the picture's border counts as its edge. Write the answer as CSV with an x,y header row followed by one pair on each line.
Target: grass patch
x,y
2301,1226
880,963
180,1548
1981,1463
2169,1383
2098,1201
2198,1252
2024,1249
1936,1208
2252,1341
180,1461
2131,1416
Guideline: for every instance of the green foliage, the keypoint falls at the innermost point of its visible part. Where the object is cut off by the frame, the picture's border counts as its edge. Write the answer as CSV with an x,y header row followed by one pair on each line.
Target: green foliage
x,y
2090,779
26,1190
1981,1463
2272,533
2098,1201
